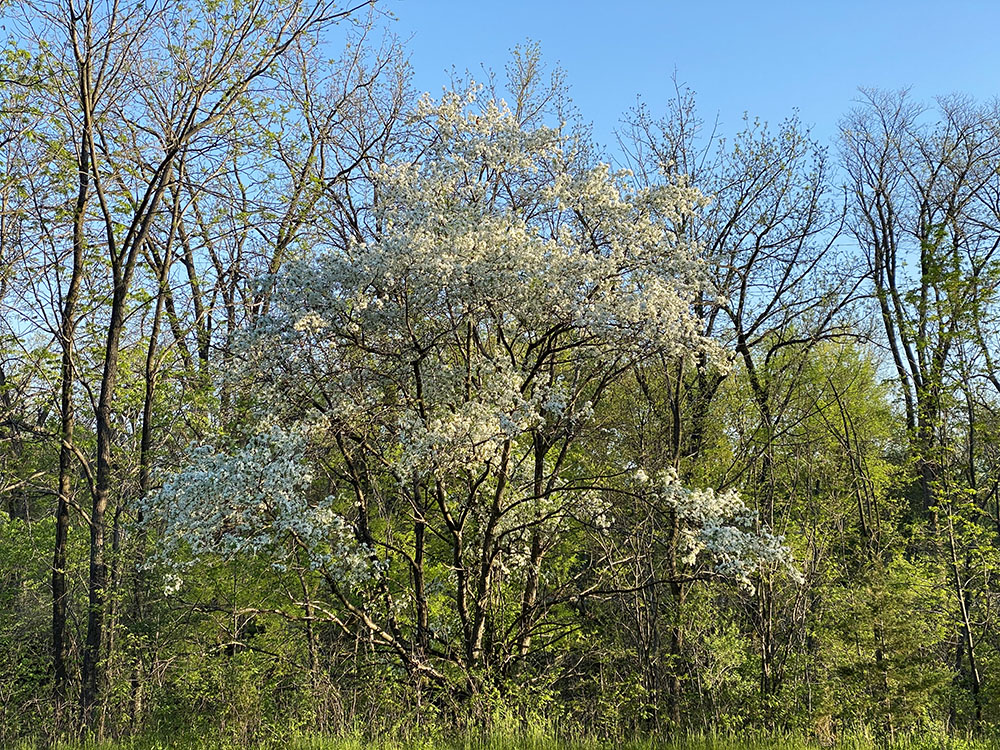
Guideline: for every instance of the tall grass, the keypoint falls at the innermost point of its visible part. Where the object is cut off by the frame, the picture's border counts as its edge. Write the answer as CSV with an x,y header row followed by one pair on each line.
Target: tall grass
x,y
531,740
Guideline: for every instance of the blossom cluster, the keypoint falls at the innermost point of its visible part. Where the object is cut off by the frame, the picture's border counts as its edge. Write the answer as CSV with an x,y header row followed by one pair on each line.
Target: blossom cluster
x,y
717,528
255,500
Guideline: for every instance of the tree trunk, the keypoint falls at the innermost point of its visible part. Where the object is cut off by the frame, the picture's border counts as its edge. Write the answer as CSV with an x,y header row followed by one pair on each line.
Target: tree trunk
x,y
67,417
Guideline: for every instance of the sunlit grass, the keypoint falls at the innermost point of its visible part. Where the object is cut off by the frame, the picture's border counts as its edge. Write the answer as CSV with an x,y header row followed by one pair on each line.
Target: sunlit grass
x,y
528,740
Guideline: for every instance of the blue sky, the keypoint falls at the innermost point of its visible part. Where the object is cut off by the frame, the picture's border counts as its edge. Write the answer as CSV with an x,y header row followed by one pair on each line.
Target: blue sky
x,y
764,58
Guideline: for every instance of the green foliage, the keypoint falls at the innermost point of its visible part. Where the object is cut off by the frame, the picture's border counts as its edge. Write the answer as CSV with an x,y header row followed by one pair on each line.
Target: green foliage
x,y
24,629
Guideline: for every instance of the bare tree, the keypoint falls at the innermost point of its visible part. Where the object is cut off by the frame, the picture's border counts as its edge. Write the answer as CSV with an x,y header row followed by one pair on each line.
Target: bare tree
x,y
924,212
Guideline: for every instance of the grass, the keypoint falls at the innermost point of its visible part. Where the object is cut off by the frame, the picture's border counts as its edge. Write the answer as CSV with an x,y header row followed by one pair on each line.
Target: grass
x,y
530,741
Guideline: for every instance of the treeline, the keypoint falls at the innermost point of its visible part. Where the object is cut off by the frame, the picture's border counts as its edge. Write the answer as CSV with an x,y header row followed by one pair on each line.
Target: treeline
x,y
327,407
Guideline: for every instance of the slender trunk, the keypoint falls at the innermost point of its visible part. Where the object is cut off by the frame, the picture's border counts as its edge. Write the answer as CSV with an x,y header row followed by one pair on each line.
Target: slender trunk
x,y
768,679
971,426
952,706
114,615
312,645
927,465
678,592
676,653
67,375
975,681
98,578
530,595
488,555
419,592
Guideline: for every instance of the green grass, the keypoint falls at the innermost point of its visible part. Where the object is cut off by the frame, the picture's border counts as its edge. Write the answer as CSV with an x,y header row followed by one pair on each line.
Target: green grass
x,y
532,741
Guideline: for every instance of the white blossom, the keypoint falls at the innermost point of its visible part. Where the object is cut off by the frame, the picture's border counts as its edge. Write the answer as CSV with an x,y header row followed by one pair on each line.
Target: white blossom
x,y
254,500
718,528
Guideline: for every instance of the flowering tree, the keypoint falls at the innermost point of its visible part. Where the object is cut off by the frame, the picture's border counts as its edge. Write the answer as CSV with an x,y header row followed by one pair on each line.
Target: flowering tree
x,y
441,381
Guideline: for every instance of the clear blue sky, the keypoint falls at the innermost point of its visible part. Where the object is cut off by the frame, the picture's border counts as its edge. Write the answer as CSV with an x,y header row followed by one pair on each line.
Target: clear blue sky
x,y
765,58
